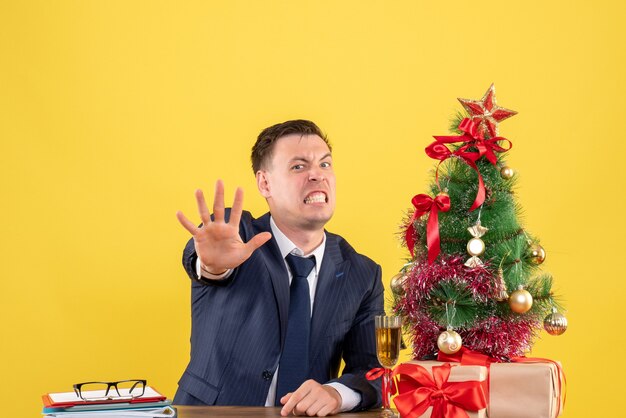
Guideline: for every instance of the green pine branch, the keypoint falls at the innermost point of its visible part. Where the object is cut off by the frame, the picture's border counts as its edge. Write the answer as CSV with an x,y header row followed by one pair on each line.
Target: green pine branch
x,y
452,304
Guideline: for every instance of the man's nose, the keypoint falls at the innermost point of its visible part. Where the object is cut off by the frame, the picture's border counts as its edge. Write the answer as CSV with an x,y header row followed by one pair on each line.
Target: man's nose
x,y
316,174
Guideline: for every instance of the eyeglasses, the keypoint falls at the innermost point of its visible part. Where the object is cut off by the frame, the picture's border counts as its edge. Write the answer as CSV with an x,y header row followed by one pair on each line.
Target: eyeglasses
x,y
101,391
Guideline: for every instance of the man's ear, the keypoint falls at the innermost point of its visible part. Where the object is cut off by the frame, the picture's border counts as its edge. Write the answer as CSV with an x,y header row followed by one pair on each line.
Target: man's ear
x,y
263,184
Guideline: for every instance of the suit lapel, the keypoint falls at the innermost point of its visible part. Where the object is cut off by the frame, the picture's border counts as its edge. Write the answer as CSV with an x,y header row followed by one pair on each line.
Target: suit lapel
x,y
330,283
277,271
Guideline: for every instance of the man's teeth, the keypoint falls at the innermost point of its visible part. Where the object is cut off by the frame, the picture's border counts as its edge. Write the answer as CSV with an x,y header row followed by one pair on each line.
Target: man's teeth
x,y
316,198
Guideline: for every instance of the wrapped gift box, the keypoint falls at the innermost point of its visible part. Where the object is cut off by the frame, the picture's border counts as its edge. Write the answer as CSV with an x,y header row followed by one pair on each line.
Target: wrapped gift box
x,y
522,390
458,373
527,389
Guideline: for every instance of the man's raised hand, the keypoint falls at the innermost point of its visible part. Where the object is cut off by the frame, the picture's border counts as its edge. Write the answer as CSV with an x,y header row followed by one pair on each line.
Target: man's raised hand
x,y
218,243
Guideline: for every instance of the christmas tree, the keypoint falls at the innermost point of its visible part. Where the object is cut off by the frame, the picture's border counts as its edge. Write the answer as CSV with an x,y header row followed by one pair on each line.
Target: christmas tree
x,y
474,277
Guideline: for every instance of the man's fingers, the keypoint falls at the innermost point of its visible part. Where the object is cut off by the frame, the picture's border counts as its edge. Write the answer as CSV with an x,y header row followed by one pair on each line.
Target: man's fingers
x,y
307,406
203,210
235,212
290,401
258,240
218,203
186,223
311,399
325,410
313,409
300,400
285,398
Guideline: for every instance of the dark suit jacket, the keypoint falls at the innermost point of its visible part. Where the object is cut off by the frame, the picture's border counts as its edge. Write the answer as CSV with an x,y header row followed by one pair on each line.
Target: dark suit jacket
x,y
239,324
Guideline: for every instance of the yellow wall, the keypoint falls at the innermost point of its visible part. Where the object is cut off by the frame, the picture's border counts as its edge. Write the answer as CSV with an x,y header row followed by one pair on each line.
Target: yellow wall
x,y
113,112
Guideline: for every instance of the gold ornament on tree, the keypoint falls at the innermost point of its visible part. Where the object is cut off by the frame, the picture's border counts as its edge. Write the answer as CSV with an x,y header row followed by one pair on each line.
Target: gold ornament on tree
x,y
555,323
398,281
449,341
521,301
536,254
397,284
476,246
501,293
507,173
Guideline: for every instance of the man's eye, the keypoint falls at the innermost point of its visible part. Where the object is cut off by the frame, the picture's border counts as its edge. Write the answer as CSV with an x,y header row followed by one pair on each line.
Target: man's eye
x,y
298,167
325,164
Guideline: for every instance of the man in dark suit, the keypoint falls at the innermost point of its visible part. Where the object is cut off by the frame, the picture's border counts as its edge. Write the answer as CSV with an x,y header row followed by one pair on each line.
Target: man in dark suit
x,y
277,301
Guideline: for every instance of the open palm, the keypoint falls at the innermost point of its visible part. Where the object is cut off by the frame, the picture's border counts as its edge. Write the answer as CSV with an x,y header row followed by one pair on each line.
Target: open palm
x,y
218,243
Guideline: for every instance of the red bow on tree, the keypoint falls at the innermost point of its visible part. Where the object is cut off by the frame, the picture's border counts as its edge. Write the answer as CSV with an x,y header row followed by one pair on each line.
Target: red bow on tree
x,y
471,138
424,204
418,390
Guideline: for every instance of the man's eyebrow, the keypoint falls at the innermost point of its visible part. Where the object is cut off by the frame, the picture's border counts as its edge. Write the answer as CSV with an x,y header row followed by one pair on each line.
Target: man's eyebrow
x,y
306,160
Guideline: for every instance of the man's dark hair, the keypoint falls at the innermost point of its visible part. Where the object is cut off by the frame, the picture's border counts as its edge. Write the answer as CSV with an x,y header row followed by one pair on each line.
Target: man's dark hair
x,y
264,145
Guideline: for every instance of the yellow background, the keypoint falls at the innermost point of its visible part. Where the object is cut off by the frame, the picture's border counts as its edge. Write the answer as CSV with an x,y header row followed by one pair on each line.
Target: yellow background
x,y
113,112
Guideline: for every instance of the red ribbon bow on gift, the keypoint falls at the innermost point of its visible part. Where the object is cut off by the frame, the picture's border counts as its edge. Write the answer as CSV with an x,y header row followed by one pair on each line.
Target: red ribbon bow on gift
x,y
471,137
418,390
424,204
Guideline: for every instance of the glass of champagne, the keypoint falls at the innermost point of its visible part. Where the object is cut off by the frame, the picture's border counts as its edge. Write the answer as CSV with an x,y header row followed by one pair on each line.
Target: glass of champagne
x,y
388,336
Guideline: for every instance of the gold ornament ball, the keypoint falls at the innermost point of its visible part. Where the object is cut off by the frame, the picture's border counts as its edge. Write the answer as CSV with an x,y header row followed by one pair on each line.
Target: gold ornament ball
x,y
520,301
555,323
507,173
475,247
537,254
449,342
397,284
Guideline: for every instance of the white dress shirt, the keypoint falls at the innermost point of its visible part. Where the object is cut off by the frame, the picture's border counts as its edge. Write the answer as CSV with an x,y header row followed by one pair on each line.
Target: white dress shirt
x,y
349,397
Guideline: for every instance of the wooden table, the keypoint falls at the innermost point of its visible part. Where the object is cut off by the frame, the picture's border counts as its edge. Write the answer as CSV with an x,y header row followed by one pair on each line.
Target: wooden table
x,y
252,411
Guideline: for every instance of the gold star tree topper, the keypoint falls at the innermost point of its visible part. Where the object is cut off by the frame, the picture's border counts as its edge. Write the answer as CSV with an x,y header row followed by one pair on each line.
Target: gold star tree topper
x,y
486,113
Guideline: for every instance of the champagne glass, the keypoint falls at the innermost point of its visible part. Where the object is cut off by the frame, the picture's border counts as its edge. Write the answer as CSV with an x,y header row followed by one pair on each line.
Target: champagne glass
x,y
388,336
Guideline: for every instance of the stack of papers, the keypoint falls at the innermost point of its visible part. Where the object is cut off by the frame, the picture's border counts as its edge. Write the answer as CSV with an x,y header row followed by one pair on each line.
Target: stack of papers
x,y
68,404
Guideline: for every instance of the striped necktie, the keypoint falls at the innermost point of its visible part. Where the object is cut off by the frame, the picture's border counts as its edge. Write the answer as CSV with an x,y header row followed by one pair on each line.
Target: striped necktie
x,y
294,361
